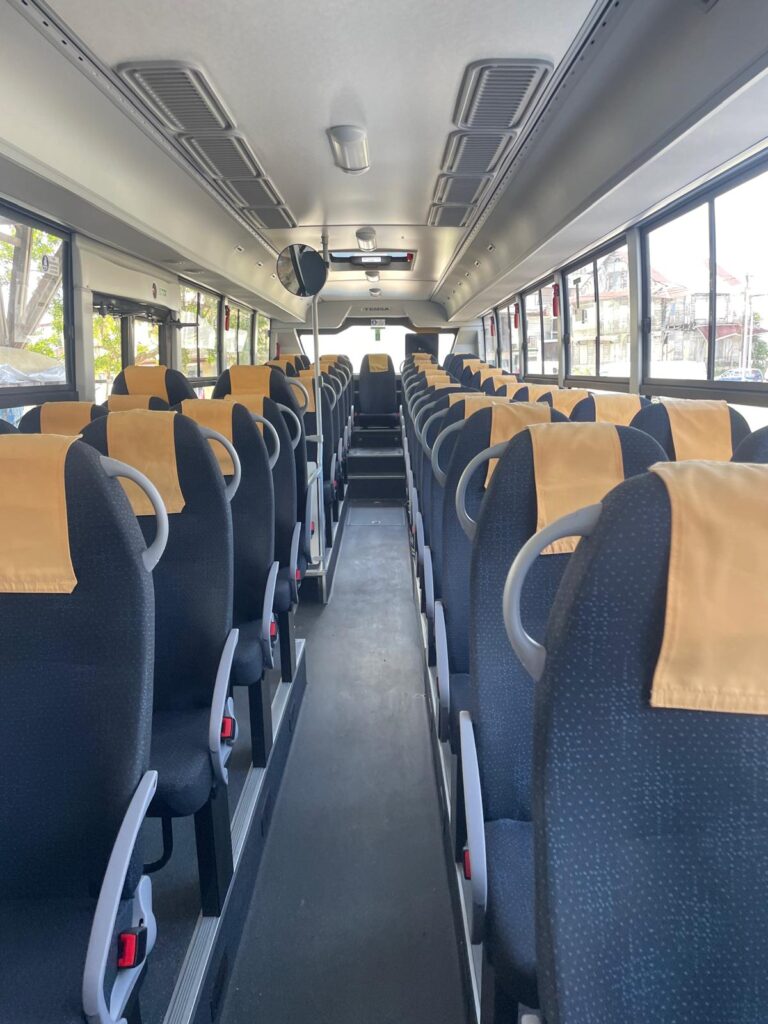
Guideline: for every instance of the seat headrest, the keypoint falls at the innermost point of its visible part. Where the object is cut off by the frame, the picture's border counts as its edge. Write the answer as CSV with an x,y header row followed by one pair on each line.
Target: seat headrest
x,y
508,419
253,403
250,380
712,655
489,372
35,555
147,441
283,363
66,417
510,390
307,377
566,399
474,400
147,380
378,362
216,414
618,409
575,465
124,403
700,429
537,391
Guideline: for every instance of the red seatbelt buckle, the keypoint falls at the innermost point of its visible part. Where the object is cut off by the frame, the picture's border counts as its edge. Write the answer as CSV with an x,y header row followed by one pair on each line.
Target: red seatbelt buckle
x,y
467,865
298,574
273,630
228,730
312,528
131,947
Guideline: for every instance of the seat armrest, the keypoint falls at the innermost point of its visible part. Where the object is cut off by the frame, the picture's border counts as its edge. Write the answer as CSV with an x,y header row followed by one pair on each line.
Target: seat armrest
x,y
267,607
419,525
473,809
294,565
221,706
101,944
429,584
443,671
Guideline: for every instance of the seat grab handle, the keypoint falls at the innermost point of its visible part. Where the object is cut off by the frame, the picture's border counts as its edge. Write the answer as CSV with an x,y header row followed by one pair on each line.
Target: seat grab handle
x,y
276,437
532,654
454,428
213,435
152,554
468,524
302,391
292,415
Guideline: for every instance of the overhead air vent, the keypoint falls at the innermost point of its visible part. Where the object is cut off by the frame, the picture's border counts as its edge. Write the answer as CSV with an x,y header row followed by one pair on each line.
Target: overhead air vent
x,y
449,216
251,192
178,94
475,153
223,155
463,190
196,122
497,94
272,217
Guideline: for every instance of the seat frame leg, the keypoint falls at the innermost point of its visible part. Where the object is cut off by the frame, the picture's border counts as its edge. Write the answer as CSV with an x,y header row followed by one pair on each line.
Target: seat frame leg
x,y
496,1007
286,629
458,812
215,865
260,714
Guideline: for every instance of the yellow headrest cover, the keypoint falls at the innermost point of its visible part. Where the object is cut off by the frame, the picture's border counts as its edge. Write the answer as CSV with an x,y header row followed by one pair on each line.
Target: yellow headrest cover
x,y
712,656
575,464
253,403
474,400
489,372
146,380
122,403
537,391
216,414
34,539
378,363
508,390
283,362
423,357
508,419
618,409
566,399
65,417
146,441
700,429
308,380
250,380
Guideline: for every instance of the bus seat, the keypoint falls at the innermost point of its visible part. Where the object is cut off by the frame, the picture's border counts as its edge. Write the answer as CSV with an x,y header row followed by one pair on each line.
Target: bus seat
x,y
6,427
754,447
158,381
256,571
711,435
500,693
649,822
377,387
59,418
124,403
330,406
194,639
75,730
609,408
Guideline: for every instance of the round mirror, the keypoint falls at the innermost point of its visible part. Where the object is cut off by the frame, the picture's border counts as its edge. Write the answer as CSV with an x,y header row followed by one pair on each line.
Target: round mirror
x,y
302,270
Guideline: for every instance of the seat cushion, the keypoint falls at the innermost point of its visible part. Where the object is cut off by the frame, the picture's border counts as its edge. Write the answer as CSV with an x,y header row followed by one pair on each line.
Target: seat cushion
x,y
44,942
510,932
180,757
248,663
459,703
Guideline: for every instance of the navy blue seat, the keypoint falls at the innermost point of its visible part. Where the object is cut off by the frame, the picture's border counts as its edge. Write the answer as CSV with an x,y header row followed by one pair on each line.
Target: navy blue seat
x,y
377,391
75,729
194,644
586,410
59,417
654,420
7,428
171,386
651,824
754,447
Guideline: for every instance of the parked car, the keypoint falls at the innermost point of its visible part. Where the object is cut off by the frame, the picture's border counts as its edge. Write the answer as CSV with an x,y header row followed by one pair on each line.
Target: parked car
x,y
751,374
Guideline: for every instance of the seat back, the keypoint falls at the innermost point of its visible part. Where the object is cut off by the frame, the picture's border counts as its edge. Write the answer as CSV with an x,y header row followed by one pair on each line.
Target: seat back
x,y
252,507
76,678
650,823
194,580
153,381
124,403
68,418
501,691
377,386
7,428
712,418
608,408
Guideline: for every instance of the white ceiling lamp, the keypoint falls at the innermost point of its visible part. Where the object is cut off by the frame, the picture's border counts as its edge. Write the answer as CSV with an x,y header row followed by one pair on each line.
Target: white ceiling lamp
x,y
349,145
375,292
366,239
372,275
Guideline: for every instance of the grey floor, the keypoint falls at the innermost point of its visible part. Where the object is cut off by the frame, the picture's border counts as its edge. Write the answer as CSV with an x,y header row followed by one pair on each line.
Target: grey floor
x,y
351,921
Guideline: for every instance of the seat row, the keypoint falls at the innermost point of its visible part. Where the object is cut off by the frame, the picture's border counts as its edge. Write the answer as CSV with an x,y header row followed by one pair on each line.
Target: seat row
x,y
579,807
139,583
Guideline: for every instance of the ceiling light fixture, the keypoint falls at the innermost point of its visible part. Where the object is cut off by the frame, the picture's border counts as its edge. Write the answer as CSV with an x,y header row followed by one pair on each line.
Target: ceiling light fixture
x,y
375,292
372,275
349,145
366,239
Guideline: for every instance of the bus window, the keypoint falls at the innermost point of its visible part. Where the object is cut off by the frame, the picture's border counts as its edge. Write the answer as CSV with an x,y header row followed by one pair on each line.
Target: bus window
x,y
262,338
107,353
237,340
146,342
32,332
199,341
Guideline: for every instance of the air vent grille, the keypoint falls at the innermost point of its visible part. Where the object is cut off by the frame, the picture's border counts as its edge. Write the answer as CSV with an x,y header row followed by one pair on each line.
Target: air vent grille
x,y
464,190
470,153
449,216
222,156
178,94
196,122
498,94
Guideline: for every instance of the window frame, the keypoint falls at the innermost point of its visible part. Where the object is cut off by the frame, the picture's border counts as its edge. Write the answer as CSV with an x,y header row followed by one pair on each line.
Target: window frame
x,y
739,392
205,381
596,382
12,397
238,307
536,378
